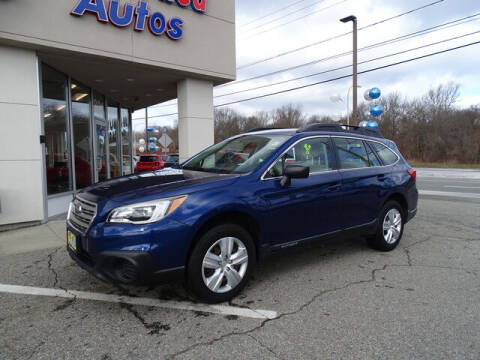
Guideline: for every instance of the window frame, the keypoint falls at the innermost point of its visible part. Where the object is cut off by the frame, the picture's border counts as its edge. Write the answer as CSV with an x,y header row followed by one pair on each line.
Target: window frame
x,y
272,164
339,165
368,146
380,158
366,140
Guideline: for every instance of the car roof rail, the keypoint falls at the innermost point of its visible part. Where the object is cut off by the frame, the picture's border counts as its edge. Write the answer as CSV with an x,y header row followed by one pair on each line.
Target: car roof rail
x,y
262,129
342,128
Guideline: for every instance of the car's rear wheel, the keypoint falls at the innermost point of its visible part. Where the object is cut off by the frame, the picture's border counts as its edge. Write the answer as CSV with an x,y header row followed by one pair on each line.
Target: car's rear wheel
x,y
221,263
389,229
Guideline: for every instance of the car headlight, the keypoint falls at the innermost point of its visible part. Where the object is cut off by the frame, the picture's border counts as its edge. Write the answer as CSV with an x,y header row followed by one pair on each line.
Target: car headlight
x,y
146,212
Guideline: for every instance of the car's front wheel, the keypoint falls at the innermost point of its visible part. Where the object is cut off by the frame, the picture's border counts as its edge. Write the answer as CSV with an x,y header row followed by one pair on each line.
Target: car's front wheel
x,y
221,263
390,228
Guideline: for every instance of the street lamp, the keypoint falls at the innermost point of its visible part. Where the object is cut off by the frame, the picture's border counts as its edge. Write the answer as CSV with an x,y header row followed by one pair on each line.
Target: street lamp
x,y
353,19
338,98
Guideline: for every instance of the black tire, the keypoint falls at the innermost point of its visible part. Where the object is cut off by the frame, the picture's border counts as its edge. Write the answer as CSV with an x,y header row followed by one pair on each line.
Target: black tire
x,y
195,272
379,240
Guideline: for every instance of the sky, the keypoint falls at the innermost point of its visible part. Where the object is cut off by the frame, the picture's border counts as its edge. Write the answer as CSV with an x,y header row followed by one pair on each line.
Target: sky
x,y
268,28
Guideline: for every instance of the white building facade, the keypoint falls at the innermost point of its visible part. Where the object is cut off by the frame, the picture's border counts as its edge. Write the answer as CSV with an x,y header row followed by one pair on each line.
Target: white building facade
x,y
73,71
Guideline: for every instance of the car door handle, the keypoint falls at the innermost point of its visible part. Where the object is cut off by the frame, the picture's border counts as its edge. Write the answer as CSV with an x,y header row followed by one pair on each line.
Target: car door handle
x,y
381,177
334,187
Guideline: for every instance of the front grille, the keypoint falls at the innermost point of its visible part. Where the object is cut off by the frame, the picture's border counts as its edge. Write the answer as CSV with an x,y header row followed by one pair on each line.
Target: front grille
x,y
81,214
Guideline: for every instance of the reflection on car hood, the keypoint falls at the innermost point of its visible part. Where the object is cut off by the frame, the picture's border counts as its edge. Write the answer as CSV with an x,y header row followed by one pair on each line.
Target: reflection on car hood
x,y
150,183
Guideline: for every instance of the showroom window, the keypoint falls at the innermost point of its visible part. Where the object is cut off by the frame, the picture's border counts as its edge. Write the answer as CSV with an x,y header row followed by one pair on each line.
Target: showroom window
x,y
81,134
126,142
57,154
113,140
100,136
88,137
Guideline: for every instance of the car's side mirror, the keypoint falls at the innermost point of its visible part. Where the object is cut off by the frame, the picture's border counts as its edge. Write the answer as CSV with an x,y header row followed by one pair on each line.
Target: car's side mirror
x,y
294,172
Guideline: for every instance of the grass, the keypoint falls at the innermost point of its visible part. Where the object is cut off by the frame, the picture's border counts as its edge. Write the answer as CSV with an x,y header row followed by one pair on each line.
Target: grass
x,y
419,164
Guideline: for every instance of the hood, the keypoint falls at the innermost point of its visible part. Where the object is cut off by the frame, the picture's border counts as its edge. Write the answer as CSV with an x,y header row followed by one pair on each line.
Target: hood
x,y
171,181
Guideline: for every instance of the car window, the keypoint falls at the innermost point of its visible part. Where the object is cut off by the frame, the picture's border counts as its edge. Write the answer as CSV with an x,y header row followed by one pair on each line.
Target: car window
x,y
372,158
388,156
148,158
316,153
352,153
238,155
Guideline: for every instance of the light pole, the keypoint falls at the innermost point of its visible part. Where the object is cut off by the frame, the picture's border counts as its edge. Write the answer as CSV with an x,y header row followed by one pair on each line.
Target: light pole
x,y
353,19
348,102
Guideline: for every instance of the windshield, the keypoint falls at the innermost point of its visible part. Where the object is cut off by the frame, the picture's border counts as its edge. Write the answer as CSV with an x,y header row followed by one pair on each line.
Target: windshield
x,y
236,156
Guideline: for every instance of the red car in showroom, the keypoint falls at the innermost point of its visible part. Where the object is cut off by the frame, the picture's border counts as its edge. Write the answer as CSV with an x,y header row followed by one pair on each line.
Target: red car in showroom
x,y
149,163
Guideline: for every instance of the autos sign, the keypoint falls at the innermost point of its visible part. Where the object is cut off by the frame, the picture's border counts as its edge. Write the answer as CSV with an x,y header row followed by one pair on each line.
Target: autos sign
x,y
139,14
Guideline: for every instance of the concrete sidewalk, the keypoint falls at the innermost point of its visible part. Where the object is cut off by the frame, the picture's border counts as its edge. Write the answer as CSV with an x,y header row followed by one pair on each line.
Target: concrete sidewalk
x,y
45,236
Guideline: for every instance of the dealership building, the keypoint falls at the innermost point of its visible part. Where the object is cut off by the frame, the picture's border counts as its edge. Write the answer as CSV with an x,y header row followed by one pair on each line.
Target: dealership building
x,y
73,71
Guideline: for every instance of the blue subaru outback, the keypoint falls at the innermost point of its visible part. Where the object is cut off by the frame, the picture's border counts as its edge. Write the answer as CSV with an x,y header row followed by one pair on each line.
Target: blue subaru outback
x,y
210,221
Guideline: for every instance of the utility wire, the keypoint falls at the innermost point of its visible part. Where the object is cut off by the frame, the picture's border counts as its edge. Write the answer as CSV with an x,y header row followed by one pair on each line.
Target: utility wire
x,y
350,75
422,32
336,78
337,36
248,36
272,13
382,43
348,66
291,13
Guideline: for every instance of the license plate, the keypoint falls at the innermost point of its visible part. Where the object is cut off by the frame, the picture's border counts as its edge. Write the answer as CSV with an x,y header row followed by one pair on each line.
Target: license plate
x,y
72,241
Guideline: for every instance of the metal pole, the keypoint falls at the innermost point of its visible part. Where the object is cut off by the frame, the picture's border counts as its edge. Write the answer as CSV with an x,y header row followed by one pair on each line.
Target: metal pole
x,y
146,124
353,19
355,71
348,106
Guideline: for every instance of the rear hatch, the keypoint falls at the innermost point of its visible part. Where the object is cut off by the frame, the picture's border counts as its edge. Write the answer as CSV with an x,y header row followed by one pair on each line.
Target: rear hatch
x,y
148,161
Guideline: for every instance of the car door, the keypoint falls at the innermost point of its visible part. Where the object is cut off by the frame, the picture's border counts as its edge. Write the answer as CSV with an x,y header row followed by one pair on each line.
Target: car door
x,y
362,178
307,207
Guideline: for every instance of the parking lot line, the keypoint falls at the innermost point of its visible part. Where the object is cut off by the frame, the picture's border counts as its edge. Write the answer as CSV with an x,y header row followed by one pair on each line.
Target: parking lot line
x,y
450,194
166,304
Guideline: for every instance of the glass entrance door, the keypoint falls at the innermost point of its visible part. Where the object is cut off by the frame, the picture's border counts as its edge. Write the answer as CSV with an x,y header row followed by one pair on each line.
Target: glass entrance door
x,y
101,173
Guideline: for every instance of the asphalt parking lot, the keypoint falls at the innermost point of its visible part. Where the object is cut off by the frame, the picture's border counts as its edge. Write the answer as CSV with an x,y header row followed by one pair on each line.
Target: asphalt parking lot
x,y
338,300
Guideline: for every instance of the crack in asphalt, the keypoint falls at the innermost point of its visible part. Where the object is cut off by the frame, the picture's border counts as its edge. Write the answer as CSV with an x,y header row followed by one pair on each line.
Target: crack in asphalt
x,y
265,346
373,278
52,270
69,302
265,322
153,328
406,249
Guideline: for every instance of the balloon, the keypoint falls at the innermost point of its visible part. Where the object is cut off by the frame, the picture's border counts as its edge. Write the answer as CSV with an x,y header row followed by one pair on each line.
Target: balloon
x,y
376,110
366,95
141,149
374,93
153,148
149,129
141,141
363,123
372,125
152,140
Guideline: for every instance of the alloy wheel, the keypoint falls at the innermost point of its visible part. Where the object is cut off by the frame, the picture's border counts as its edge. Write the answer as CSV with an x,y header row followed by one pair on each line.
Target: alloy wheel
x,y
225,264
392,226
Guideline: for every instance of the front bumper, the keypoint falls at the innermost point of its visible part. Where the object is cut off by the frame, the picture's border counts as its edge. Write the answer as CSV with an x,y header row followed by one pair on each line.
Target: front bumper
x,y
125,267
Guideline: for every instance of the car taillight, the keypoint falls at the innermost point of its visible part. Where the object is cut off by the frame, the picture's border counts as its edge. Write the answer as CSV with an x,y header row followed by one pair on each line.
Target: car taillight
x,y
413,174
